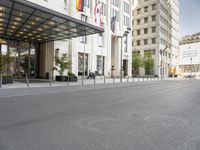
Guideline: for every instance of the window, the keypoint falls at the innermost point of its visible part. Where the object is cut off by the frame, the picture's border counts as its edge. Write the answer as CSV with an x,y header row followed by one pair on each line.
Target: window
x,y
153,29
81,61
83,18
153,40
100,65
100,40
146,31
115,14
125,44
154,7
86,3
146,9
83,39
138,22
138,11
126,8
115,2
145,41
146,20
138,32
126,20
154,18
138,42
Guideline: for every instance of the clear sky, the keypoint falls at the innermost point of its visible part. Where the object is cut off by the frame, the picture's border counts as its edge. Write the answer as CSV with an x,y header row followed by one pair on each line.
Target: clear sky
x,y
189,17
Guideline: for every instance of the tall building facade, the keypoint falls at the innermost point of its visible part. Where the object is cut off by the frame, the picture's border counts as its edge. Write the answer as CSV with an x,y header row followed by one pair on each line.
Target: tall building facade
x,y
105,53
98,53
102,52
156,28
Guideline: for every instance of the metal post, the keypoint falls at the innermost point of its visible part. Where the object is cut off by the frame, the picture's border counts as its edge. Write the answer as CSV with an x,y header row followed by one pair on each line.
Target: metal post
x,y
49,78
113,79
82,80
104,79
138,79
68,80
1,81
0,64
191,67
121,60
27,80
128,79
94,80
143,78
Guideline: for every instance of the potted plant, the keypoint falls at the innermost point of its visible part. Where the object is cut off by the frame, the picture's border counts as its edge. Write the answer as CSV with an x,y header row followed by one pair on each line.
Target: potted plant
x,y
72,77
5,61
62,63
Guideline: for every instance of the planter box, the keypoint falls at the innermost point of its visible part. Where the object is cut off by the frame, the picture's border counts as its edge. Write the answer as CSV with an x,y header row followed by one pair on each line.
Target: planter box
x,y
61,78
7,80
65,78
73,79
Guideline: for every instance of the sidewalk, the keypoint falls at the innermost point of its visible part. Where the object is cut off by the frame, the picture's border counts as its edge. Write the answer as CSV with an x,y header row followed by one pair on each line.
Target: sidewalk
x,y
98,80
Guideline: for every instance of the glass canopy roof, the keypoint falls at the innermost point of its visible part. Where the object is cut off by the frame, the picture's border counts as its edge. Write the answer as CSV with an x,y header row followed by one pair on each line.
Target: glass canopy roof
x,y
24,21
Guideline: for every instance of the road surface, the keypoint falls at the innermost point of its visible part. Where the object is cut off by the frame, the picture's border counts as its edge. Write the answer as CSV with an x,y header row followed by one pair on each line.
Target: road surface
x,y
163,115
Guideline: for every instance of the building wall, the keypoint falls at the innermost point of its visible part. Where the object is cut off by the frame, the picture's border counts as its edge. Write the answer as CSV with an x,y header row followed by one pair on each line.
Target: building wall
x,y
93,47
155,24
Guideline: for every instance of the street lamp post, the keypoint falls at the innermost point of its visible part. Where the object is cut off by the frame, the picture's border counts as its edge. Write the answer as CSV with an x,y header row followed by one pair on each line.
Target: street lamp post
x,y
191,67
121,58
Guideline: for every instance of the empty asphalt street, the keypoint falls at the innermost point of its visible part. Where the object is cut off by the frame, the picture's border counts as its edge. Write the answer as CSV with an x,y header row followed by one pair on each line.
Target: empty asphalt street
x,y
160,115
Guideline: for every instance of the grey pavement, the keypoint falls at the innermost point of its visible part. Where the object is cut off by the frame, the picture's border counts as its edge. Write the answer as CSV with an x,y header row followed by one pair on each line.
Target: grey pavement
x,y
161,115
99,80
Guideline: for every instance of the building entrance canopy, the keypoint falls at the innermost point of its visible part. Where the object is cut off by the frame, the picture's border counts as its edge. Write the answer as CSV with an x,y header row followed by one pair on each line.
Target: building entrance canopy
x,y
24,21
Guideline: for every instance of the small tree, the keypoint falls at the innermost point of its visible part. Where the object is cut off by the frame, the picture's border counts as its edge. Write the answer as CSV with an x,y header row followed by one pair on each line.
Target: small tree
x,y
5,61
137,62
62,63
148,62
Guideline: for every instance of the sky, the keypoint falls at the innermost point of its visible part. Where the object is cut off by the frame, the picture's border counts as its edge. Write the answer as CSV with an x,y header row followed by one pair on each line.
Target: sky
x,y
189,17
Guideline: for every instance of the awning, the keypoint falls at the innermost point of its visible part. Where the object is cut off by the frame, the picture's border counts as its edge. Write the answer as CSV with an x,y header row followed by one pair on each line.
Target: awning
x,y
24,21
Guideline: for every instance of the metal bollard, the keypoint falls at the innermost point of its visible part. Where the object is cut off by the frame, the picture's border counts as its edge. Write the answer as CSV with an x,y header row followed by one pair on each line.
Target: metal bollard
x,y
82,80
113,79
50,79
94,80
128,79
27,80
104,79
1,82
138,79
67,80
143,78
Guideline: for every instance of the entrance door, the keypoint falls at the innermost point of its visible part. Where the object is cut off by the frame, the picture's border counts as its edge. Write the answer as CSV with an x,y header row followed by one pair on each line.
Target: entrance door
x,y
23,62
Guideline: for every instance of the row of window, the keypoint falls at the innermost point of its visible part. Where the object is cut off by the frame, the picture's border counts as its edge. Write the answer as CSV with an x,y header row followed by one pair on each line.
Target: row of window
x,y
146,30
153,52
145,41
146,20
146,9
